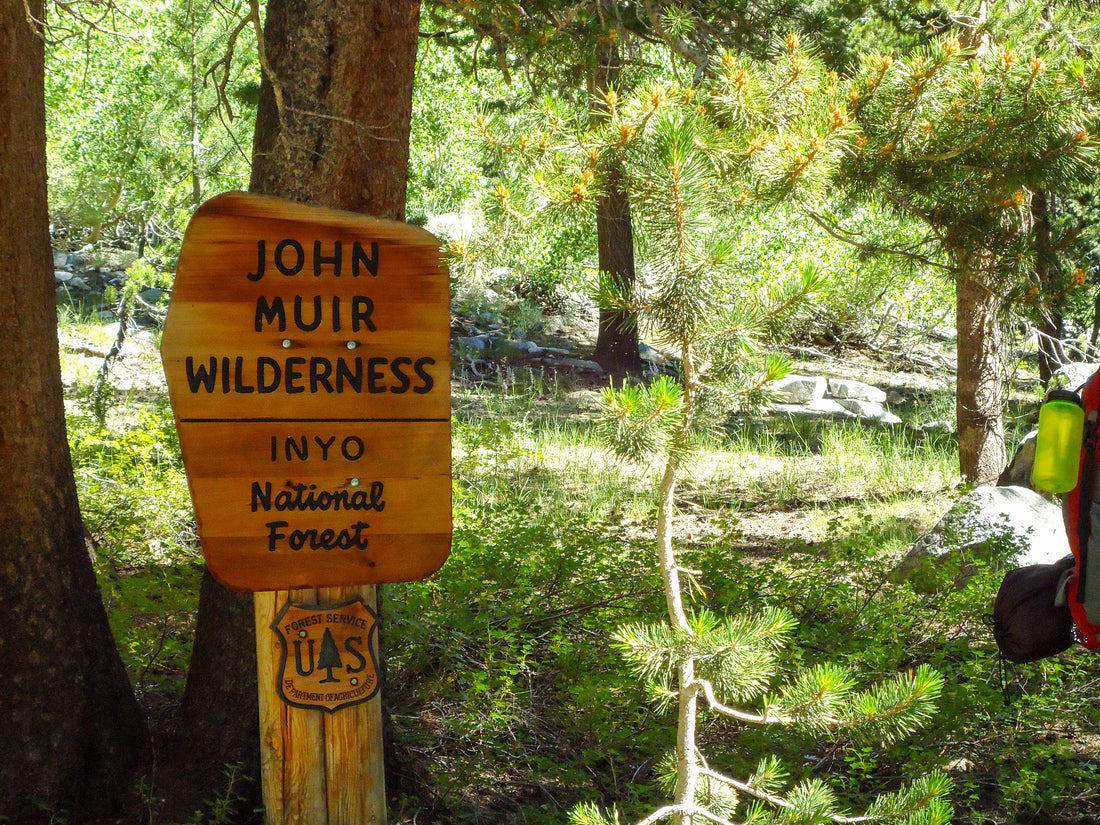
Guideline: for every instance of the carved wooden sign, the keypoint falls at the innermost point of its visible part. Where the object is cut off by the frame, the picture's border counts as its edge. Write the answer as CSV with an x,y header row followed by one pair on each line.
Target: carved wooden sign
x,y
307,357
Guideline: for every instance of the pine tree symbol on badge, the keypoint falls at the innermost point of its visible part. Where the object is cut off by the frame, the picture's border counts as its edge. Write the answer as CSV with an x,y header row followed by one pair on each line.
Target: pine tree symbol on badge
x,y
329,658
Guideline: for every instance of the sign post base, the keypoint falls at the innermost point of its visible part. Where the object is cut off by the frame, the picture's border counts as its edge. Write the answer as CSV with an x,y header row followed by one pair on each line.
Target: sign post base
x,y
319,767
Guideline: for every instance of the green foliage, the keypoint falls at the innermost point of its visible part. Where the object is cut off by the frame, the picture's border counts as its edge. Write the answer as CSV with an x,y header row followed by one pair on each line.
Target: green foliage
x,y
444,172
222,809
136,507
738,653
138,125
758,134
128,302
633,417
869,293
967,133
522,685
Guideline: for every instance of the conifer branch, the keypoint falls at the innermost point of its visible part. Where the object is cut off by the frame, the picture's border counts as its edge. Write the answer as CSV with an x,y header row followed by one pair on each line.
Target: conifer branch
x,y
683,810
777,801
871,249
767,718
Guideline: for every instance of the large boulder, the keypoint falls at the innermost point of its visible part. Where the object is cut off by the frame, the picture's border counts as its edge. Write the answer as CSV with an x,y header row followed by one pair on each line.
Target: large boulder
x,y
1018,471
997,525
855,390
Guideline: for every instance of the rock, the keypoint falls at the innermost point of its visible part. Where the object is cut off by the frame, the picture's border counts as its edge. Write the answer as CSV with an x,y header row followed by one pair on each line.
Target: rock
x,y
864,409
1072,376
1018,471
938,427
841,388
820,408
524,346
60,259
869,410
998,525
828,406
896,398
585,399
476,342
105,315
152,295
800,389
63,277
77,283
576,363
651,354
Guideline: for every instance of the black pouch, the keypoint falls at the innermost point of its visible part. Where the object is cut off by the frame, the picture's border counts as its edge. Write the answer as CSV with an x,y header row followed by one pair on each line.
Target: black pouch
x,y
1031,618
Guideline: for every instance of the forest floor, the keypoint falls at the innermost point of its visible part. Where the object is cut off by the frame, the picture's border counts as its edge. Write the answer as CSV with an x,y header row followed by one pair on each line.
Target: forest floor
x,y
795,498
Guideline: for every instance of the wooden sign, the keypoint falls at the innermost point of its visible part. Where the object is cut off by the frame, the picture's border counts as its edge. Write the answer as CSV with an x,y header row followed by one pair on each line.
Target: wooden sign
x,y
328,655
307,358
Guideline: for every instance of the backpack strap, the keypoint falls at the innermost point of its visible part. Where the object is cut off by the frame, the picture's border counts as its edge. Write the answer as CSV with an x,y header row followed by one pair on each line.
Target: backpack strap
x,y
1078,510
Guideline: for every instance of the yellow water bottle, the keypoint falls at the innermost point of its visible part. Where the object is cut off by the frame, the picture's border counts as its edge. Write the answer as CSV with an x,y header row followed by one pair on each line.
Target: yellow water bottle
x,y
1058,444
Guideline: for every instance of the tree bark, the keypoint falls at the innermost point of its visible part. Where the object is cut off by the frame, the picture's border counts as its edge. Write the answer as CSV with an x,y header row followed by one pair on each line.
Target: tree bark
x,y
979,397
219,715
336,104
72,731
1051,325
617,340
332,129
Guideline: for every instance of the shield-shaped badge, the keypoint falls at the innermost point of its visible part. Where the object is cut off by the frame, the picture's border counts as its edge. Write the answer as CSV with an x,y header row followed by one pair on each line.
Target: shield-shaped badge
x,y
329,660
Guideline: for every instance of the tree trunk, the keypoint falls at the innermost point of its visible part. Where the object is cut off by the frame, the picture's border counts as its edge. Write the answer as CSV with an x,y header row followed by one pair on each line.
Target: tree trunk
x,y
334,119
1051,325
979,406
72,731
219,715
617,340
332,129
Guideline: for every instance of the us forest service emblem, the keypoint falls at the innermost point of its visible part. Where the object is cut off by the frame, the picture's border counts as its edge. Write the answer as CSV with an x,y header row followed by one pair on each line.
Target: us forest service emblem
x,y
329,659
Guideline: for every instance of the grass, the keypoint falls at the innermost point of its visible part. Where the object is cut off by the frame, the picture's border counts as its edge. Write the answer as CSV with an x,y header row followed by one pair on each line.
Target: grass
x,y
508,700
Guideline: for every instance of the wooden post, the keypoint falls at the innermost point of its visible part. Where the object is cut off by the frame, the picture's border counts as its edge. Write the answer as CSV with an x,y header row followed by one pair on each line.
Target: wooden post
x,y
350,787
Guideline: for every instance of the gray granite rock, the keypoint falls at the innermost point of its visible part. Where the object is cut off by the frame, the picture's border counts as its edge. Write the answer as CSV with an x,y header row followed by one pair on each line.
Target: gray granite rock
x,y
997,525
841,388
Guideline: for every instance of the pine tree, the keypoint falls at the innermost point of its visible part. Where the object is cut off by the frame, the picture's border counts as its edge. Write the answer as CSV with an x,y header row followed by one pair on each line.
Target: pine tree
x,y
965,136
562,48
757,135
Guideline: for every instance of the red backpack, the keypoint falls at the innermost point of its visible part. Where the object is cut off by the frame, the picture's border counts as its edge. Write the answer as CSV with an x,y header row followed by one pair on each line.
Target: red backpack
x,y
1041,609
1082,514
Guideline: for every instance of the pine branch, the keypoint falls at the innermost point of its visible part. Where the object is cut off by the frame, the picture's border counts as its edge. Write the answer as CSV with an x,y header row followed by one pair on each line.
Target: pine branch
x,y
895,708
777,801
670,811
707,689
871,249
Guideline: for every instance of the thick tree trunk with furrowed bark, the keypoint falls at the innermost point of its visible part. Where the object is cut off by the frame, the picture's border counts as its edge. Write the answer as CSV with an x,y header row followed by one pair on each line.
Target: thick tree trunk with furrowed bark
x,y
72,732
979,396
